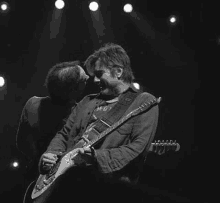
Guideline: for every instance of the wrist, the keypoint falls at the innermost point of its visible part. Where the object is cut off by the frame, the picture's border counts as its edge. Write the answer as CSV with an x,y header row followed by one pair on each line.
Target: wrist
x,y
93,152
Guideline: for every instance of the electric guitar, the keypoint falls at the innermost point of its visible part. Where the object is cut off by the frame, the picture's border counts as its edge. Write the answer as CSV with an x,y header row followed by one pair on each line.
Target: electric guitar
x,y
66,161
158,147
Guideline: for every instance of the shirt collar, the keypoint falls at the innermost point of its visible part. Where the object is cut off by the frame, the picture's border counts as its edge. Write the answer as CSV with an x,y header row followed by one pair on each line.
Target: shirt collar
x,y
131,87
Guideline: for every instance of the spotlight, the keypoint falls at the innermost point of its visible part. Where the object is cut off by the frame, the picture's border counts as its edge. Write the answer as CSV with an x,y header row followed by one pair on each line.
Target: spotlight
x,y
59,4
93,6
14,165
218,40
173,20
2,81
4,7
136,85
128,8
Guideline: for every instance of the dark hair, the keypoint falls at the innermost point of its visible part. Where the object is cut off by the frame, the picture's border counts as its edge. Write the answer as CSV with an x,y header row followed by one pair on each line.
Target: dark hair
x,y
63,80
111,55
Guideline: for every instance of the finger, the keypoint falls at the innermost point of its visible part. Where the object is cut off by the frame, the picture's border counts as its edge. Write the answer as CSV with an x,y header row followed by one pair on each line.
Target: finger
x,y
87,150
48,165
49,157
48,161
54,156
81,151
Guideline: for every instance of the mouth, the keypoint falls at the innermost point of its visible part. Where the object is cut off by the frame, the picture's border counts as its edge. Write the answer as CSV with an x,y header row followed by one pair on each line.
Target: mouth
x,y
102,85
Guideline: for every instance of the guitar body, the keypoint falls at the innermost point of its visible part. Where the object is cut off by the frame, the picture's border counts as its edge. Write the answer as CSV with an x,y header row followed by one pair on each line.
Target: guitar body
x,y
46,181
57,191
66,176
49,195
40,199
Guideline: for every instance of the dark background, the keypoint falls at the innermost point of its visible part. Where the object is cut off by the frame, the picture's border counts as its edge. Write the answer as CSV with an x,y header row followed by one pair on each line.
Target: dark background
x,y
169,61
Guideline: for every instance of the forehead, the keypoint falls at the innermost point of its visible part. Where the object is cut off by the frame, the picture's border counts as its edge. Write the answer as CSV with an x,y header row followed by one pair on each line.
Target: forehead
x,y
97,65
81,69
82,72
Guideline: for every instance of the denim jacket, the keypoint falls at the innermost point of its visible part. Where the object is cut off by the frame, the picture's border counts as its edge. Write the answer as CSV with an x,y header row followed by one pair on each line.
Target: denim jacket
x,y
121,154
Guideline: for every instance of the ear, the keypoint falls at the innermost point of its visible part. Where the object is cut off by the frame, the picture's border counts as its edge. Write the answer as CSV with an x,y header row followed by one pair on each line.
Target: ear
x,y
119,72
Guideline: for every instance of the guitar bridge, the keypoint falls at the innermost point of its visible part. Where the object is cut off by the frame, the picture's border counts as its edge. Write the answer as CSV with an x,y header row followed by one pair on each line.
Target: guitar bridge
x,y
38,187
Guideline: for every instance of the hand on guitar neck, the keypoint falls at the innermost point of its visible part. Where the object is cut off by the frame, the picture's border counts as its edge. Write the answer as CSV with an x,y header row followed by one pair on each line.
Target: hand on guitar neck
x,y
84,156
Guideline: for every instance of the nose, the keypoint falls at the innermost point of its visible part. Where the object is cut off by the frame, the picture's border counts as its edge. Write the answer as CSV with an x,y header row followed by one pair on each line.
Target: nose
x,y
87,77
96,79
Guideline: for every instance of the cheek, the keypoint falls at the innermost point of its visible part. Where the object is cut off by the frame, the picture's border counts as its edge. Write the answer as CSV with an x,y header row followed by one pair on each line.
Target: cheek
x,y
108,77
104,78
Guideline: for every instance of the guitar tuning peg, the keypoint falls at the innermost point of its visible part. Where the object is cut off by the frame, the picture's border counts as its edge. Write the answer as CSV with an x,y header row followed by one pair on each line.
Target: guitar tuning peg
x,y
154,146
173,145
177,147
162,147
167,145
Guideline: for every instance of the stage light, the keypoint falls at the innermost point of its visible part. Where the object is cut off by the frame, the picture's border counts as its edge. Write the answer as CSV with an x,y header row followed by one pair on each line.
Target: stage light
x,y
218,40
136,85
173,19
59,4
128,8
93,6
2,81
4,7
15,164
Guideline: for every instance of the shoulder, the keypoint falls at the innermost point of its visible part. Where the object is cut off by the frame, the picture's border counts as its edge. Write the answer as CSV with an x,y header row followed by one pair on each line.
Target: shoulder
x,y
88,98
34,102
148,101
86,102
145,97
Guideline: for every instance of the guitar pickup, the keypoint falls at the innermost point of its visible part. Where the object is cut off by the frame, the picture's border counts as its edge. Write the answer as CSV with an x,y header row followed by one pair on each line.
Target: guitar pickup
x,y
48,181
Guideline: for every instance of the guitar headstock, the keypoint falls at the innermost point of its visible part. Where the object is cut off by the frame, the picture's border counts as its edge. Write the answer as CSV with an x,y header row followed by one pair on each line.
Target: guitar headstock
x,y
160,146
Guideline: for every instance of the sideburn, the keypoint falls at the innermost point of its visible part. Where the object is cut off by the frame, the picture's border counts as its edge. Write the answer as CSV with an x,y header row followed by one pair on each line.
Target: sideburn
x,y
113,72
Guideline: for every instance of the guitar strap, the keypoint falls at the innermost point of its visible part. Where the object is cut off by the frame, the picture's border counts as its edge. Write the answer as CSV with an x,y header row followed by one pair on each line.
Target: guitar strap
x,y
114,114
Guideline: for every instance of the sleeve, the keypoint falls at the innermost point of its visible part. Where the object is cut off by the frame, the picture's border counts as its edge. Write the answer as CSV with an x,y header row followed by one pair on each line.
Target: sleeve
x,y
58,144
24,140
143,132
